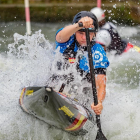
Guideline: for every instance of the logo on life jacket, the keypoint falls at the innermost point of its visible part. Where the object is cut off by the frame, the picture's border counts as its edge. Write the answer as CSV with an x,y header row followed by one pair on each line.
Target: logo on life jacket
x,y
98,57
72,60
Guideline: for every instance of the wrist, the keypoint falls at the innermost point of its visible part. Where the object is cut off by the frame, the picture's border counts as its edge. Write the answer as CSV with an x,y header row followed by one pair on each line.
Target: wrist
x,y
77,26
100,101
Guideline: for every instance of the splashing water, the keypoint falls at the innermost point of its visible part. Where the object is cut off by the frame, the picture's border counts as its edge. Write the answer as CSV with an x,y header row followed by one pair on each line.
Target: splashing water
x,y
123,99
30,62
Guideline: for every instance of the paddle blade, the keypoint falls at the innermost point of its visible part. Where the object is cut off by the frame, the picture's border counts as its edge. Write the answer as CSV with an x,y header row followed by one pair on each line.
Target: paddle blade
x,y
100,136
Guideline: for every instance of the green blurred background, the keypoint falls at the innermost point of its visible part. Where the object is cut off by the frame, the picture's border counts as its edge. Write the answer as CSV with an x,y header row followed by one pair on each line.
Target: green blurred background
x,y
119,11
63,1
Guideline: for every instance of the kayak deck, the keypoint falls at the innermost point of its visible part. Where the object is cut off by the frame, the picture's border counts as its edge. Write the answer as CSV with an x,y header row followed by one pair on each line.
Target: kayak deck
x,y
57,109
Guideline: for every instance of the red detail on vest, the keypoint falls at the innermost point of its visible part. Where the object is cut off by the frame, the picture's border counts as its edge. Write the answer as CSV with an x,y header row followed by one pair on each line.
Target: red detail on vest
x,y
128,47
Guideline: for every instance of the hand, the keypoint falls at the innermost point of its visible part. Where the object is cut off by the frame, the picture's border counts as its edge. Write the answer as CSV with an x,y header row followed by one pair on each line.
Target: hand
x,y
87,22
98,108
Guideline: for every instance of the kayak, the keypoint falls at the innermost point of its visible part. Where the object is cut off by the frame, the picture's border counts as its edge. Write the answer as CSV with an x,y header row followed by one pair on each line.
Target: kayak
x,y
132,48
57,109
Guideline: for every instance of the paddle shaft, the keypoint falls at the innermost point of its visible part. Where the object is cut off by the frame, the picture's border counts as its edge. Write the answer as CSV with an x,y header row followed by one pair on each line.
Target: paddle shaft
x,y
92,76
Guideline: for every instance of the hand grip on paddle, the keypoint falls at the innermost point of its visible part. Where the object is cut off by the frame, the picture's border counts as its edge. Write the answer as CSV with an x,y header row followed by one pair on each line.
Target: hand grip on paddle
x,y
80,24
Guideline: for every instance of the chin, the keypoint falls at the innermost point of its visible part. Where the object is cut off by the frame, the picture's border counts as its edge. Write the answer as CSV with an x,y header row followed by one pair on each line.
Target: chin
x,y
83,45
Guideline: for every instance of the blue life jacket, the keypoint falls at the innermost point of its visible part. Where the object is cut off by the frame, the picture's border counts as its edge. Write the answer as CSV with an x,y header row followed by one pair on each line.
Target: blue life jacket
x,y
70,48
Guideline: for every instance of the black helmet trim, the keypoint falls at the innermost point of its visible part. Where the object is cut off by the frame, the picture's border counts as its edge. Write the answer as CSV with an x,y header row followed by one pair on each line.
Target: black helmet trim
x,y
81,14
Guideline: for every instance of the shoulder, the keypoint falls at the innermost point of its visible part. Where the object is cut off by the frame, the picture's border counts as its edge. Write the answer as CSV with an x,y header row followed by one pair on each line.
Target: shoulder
x,y
102,33
70,40
58,31
106,26
98,47
112,25
98,50
109,25
100,58
65,45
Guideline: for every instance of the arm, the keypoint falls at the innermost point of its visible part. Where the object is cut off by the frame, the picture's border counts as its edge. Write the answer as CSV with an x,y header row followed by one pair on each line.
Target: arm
x,y
65,34
101,92
101,87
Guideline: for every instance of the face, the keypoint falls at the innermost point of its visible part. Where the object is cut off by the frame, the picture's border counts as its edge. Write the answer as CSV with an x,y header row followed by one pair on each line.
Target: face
x,y
81,37
101,23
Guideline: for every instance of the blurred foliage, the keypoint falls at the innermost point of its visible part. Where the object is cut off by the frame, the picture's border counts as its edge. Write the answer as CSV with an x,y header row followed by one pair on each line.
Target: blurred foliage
x,y
126,13
62,1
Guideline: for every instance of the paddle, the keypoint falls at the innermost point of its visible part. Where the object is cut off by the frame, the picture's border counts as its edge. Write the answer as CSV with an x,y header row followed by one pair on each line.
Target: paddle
x,y
100,135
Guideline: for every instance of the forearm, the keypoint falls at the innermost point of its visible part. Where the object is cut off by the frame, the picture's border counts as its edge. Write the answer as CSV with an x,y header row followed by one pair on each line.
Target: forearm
x,y
101,87
101,94
67,32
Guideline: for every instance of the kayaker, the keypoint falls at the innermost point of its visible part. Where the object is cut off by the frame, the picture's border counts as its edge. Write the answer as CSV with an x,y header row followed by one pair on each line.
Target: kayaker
x,y
72,38
117,43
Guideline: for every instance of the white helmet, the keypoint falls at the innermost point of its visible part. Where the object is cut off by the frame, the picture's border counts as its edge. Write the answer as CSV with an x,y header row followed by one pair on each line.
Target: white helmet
x,y
99,13
103,37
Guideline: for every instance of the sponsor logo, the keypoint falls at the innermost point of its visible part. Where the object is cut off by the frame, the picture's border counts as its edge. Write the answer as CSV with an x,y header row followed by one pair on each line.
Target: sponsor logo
x,y
98,57
29,92
67,111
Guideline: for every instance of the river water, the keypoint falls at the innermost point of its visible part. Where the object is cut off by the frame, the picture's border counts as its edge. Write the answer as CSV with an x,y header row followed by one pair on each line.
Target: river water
x,y
26,61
